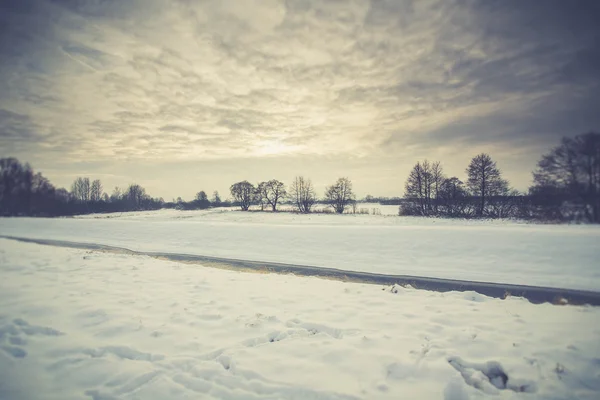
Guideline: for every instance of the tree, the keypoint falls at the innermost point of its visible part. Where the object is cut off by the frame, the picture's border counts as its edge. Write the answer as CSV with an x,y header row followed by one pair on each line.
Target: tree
x,y
96,191
485,181
437,177
216,199
116,195
202,200
42,191
243,193
136,196
271,192
16,181
571,172
23,192
201,196
420,188
81,189
452,197
260,195
340,194
303,194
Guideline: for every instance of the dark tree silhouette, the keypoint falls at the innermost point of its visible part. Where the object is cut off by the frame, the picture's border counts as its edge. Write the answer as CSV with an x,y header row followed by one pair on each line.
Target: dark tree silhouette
x,y
485,181
243,193
201,200
340,195
422,188
216,199
116,195
303,194
136,197
23,192
16,182
271,192
201,196
96,191
570,173
452,197
260,195
81,190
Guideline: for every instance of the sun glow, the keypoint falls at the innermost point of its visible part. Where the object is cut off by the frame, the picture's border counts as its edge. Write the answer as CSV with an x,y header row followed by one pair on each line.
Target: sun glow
x,y
275,147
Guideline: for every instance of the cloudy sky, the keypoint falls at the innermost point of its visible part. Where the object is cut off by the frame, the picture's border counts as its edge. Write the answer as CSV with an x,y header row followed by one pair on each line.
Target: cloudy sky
x,y
185,95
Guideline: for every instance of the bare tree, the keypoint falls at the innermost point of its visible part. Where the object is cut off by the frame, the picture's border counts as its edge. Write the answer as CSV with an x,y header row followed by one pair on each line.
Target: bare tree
x,y
260,195
16,182
453,197
96,191
271,192
116,195
571,172
303,194
243,193
422,188
415,192
75,189
136,196
485,180
216,199
437,177
340,195
81,189
86,189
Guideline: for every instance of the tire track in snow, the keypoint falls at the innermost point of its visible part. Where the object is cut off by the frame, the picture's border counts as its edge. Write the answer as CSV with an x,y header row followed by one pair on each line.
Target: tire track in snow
x,y
535,294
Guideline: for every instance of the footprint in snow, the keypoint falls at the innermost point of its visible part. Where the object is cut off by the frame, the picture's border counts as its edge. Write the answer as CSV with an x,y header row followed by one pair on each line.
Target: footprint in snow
x,y
489,377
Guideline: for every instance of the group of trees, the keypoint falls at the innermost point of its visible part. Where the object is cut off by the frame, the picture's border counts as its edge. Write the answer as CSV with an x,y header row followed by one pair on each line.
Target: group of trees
x,y
567,180
566,186
301,194
428,191
200,202
23,192
83,191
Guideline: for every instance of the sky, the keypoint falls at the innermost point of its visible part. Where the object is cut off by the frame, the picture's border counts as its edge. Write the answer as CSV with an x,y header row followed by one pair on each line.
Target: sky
x,y
184,95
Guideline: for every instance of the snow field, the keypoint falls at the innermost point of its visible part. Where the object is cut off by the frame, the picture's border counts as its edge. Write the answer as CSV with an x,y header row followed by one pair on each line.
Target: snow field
x,y
77,324
564,256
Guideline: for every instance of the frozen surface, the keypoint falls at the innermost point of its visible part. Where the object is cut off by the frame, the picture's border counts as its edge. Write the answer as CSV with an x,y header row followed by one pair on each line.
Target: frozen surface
x,y
76,324
491,251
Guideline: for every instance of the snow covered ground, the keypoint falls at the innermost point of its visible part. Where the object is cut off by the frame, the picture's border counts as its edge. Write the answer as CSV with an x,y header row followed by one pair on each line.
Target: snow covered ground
x,y
564,256
76,324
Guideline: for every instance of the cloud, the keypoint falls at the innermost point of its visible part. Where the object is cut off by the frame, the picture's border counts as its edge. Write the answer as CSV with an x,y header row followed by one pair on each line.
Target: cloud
x,y
185,80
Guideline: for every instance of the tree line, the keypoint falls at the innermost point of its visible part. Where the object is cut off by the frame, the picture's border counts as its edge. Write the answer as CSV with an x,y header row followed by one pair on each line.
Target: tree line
x,y
566,186
24,192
